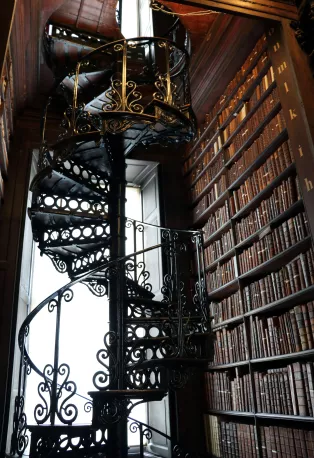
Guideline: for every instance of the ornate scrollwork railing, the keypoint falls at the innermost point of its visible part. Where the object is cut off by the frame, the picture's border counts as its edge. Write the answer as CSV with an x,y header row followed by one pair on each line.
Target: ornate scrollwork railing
x,y
175,338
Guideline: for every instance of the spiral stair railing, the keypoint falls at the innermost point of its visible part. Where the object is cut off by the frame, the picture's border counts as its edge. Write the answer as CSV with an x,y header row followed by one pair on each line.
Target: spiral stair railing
x,y
120,95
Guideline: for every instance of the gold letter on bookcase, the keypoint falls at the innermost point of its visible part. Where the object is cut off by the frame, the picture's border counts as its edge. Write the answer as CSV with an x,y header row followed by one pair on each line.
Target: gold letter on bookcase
x,y
286,87
292,114
308,184
300,150
282,67
276,47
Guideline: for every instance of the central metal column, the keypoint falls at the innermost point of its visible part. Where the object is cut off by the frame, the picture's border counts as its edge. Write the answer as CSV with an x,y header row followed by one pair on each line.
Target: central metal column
x,y
117,433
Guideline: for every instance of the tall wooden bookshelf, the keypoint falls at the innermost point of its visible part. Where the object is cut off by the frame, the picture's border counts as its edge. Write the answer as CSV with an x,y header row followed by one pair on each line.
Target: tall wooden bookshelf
x,y
250,178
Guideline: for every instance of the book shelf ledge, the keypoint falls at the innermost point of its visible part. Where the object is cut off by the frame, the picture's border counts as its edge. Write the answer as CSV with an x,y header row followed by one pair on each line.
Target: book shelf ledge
x,y
257,199
250,205
261,415
262,157
218,367
227,143
223,257
224,290
215,235
208,186
250,114
227,100
304,295
233,320
254,134
283,359
204,151
277,261
248,93
233,413
259,271
211,208
291,211
285,303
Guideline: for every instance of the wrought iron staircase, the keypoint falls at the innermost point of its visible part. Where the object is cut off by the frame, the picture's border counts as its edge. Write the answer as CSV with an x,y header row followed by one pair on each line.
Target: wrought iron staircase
x,y
120,95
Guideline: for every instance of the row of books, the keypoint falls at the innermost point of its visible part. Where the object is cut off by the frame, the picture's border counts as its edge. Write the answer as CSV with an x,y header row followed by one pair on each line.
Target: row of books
x,y
233,440
237,79
230,345
209,117
281,199
288,332
224,273
287,391
253,123
286,442
207,176
216,220
270,132
258,91
227,308
194,163
219,247
237,440
279,239
249,104
229,392
290,279
260,179
227,111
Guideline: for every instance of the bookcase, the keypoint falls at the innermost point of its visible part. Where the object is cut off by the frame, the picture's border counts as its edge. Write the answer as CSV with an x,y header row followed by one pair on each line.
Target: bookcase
x,y
6,118
249,174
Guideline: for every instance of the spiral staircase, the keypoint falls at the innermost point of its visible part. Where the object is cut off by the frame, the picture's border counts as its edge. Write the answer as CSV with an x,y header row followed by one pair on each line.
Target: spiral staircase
x,y
117,96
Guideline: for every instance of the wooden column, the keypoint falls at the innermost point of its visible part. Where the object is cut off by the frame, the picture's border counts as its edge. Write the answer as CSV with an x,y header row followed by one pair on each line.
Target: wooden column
x,y
12,217
6,19
296,88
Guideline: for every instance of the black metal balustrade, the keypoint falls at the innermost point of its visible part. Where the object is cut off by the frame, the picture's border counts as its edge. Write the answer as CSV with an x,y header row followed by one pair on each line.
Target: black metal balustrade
x,y
122,94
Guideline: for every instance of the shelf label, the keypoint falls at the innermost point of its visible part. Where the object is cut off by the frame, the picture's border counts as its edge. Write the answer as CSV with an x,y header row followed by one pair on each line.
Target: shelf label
x,y
292,113
308,184
282,67
276,47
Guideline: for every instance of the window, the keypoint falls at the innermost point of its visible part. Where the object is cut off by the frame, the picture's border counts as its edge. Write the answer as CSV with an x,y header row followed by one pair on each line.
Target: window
x,y
137,20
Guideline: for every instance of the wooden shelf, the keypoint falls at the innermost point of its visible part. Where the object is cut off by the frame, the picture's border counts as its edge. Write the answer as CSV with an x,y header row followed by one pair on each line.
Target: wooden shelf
x,y
208,186
261,415
256,81
262,157
285,303
254,135
262,195
218,367
290,212
249,115
283,360
211,208
277,261
224,290
215,235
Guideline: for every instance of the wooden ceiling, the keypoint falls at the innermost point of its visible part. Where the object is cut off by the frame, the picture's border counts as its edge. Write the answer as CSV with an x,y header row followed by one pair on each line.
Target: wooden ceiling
x,y
94,16
197,26
219,40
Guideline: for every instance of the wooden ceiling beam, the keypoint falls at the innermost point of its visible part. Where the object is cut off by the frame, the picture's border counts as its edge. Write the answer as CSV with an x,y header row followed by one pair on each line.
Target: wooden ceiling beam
x,y
262,9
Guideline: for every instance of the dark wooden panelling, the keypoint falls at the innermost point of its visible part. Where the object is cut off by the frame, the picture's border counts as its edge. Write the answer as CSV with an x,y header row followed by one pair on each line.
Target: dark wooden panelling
x,y
263,9
221,54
